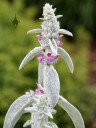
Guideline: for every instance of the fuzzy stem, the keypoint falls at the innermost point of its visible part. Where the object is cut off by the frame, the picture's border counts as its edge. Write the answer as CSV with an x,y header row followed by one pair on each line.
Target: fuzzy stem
x,y
41,69
44,121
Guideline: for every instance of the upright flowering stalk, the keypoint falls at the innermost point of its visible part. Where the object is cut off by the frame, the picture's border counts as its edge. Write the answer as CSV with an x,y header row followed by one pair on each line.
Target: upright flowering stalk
x,y
41,102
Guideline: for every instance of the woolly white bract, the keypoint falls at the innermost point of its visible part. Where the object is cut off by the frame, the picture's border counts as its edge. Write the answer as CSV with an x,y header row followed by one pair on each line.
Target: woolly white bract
x,y
41,102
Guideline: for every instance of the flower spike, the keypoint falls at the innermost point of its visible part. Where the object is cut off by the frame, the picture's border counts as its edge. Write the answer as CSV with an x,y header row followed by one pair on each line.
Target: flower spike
x,y
41,102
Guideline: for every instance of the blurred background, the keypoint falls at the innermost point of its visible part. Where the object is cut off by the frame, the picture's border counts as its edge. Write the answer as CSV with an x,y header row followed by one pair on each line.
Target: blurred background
x,y
79,88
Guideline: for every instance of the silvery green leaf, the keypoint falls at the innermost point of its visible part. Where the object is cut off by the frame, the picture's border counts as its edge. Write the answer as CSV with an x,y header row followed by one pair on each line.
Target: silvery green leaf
x,y
30,92
72,112
50,125
46,126
27,123
53,111
30,56
51,85
41,18
53,46
35,31
65,32
15,111
30,109
59,16
41,69
36,121
67,58
48,114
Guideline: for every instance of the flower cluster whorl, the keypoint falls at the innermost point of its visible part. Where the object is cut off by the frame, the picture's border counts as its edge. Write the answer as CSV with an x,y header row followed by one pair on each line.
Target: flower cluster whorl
x,y
50,26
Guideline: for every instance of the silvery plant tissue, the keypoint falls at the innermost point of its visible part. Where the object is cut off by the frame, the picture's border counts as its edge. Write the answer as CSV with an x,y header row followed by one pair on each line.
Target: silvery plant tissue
x,y
41,102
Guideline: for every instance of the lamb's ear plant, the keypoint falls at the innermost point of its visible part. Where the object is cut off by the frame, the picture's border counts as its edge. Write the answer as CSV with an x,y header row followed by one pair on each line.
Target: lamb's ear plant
x,y
41,102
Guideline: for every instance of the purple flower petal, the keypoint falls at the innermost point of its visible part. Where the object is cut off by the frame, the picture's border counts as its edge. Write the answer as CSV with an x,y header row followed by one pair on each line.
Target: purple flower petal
x,y
49,54
59,43
60,36
39,86
39,89
42,55
49,60
41,58
39,37
56,57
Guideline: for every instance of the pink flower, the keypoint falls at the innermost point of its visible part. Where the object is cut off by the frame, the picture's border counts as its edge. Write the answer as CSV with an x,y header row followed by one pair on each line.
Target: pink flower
x,y
39,89
56,57
49,60
60,36
39,38
59,43
41,58
49,54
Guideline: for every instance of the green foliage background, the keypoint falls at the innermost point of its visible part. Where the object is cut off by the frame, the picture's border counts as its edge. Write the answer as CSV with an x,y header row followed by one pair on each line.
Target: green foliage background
x,y
15,44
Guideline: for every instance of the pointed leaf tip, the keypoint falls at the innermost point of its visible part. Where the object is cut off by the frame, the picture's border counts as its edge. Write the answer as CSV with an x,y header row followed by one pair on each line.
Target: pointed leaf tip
x,y
20,67
15,111
59,16
67,58
30,56
27,123
65,32
72,112
34,31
